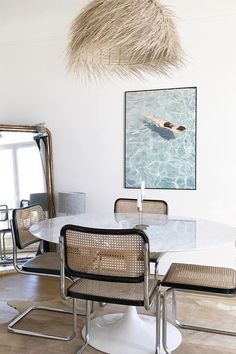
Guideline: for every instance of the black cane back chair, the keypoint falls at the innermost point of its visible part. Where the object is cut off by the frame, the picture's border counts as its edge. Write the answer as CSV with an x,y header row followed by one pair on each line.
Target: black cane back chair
x,y
199,279
4,229
127,205
112,266
44,264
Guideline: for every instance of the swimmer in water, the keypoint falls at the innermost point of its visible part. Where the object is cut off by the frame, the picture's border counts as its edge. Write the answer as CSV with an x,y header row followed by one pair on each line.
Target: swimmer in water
x,y
175,128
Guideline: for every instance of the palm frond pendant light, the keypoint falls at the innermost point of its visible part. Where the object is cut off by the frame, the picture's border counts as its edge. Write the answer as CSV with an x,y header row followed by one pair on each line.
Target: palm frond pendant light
x,y
125,37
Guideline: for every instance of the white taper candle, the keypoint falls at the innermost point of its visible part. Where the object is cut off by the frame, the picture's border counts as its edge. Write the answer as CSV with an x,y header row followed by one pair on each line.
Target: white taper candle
x,y
143,189
139,203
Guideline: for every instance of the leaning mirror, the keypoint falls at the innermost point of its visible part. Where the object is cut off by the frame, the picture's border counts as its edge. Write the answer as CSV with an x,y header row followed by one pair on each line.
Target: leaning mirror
x,y
26,174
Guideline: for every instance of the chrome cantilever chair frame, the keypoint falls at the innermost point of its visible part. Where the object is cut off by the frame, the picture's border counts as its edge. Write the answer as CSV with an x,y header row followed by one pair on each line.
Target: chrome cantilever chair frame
x,y
40,273
5,212
211,286
87,265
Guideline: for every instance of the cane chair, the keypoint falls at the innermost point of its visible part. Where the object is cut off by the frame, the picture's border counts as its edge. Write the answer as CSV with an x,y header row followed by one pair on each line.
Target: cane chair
x,y
127,205
24,203
44,264
4,229
112,266
192,278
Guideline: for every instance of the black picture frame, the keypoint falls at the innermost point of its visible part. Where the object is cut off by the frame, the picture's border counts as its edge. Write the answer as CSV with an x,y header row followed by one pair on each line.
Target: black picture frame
x,y
160,138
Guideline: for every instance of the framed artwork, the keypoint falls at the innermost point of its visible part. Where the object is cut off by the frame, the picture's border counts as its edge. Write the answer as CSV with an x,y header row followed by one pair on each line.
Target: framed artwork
x,y
160,138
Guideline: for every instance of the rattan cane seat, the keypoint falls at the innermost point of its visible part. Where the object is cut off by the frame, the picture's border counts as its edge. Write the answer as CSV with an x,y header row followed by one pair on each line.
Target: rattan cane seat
x,y
48,262
200,277
111,292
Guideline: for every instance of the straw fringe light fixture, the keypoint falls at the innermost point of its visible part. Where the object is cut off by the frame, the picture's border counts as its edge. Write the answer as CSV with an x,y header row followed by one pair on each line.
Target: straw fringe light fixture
x,y
125,37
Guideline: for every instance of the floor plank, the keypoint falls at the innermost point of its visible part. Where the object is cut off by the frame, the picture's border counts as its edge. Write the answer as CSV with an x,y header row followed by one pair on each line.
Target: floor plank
x,y
23,290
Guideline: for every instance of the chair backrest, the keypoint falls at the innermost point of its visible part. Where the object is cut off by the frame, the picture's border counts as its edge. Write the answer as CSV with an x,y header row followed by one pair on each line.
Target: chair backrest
x,y
3,212
24,203
126,205
105,254
4,218
22,219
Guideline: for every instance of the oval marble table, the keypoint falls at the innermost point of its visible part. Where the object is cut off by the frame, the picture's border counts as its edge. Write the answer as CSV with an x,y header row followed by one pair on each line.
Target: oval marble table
x,y
130,333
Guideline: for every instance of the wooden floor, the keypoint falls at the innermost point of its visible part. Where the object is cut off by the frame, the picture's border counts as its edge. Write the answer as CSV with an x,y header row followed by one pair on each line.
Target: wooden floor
x,y
21,291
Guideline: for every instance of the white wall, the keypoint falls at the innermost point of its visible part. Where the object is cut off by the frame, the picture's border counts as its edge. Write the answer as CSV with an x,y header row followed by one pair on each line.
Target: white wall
x,y
87,122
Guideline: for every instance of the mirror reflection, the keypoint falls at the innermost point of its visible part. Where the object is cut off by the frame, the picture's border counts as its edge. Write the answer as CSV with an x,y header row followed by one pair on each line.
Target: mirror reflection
x,y
21,166
25,179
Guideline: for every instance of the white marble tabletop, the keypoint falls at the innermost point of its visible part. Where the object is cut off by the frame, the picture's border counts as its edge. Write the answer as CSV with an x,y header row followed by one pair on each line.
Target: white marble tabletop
x,y
166,233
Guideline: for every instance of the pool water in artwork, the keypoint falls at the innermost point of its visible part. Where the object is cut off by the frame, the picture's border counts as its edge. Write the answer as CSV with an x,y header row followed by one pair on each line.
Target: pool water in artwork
x,y
157,151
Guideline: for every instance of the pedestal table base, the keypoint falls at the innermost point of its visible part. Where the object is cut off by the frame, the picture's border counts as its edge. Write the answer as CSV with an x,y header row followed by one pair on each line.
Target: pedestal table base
x,y
128,333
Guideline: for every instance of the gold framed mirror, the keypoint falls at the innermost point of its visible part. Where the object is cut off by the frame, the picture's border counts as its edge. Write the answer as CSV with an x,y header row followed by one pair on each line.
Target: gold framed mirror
x,y
21,146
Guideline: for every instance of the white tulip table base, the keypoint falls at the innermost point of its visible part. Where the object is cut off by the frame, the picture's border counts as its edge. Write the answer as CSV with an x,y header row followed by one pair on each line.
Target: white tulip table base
x,y
128,333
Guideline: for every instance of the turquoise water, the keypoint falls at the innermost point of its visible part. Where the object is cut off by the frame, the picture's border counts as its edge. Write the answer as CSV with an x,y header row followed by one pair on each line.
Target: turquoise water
x,y
161,158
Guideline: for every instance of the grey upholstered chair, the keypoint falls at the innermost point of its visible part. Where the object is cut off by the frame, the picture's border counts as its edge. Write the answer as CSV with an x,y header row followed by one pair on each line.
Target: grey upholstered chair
x,y
198,279
128,205
44,264
112,266
4,229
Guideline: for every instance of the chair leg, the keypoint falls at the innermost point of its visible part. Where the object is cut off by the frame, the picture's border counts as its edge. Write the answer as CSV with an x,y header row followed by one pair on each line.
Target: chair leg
x,y
192,327
158,322
3,255
4,246
1,250
174,308
164,322
38,334
156,269
87,327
